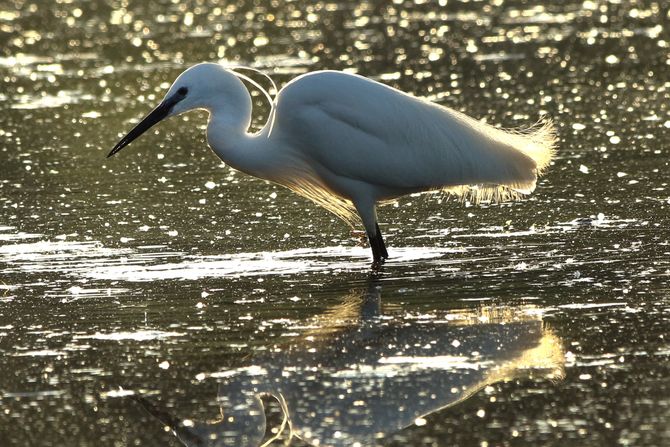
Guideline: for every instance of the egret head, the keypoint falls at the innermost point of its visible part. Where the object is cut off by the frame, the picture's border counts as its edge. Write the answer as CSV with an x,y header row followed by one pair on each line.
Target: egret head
x,y
202,86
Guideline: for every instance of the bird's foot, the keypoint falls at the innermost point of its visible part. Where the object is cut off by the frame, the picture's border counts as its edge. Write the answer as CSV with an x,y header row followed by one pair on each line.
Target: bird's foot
x,y
361,236
377,264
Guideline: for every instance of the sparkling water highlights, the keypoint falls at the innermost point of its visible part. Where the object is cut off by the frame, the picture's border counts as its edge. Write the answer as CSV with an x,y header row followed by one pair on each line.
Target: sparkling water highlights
x,y
164,289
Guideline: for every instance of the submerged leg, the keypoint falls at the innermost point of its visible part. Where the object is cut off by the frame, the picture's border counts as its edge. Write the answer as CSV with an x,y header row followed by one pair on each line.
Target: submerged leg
x,y
371,307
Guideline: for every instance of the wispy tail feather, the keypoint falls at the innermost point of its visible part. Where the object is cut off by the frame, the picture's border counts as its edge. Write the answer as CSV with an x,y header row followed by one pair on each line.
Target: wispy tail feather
x,y
541,143
526,153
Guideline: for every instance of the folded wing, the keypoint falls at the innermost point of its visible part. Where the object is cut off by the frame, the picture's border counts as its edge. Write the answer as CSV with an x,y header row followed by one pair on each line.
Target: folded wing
x,y
363,130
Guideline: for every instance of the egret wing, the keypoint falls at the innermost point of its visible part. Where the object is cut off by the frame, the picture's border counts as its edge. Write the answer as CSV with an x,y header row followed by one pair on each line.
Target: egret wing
x,y
364,130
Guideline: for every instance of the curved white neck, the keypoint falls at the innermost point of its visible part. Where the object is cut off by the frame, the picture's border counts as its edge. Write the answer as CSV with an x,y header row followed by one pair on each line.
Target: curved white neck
x,y
250,153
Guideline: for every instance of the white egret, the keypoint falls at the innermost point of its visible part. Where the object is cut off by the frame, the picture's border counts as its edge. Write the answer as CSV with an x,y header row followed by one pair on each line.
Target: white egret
x,y
348,142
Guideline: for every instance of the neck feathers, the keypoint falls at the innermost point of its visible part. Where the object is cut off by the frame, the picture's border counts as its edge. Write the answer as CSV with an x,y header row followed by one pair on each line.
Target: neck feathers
x,y
253,154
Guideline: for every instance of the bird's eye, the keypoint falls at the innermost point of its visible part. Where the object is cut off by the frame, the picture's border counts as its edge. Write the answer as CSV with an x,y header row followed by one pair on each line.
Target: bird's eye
x,y
182,91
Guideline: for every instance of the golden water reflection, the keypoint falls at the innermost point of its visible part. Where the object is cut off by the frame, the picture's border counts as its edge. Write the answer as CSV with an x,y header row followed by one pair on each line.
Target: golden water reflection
x,y
360,372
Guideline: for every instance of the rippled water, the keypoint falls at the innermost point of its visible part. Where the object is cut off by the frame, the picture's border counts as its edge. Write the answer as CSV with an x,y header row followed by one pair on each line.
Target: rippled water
x,y
161,289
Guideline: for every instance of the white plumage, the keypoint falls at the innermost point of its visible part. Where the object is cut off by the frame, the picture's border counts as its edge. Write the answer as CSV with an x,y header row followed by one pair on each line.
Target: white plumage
x,y
348,142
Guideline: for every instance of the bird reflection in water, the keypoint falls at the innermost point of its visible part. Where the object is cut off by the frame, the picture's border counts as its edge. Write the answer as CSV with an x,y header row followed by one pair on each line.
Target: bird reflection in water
x,y
355,375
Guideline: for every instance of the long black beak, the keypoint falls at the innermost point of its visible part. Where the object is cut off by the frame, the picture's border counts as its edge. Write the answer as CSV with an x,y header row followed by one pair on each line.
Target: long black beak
x,y
153,118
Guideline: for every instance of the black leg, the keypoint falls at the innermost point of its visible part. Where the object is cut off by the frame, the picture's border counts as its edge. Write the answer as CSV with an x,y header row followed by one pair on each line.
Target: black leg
x,y
377,256
379,253
366,210
385,254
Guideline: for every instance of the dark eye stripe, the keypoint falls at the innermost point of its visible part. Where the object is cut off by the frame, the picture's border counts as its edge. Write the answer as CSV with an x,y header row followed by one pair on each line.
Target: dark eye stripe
x,y
182,91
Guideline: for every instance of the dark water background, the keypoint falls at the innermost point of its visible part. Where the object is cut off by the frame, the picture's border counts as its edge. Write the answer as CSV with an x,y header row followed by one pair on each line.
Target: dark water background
x,y
164,272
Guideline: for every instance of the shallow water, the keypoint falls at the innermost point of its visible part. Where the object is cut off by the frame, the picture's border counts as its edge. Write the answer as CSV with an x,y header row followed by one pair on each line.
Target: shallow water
x,y
156,287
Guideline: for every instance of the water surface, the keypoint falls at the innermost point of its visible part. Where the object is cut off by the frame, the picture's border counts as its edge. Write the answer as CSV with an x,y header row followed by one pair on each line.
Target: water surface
x,y
157,288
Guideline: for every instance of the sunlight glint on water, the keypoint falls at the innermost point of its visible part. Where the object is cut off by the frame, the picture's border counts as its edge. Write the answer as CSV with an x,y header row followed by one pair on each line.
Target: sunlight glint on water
x,y
163,284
